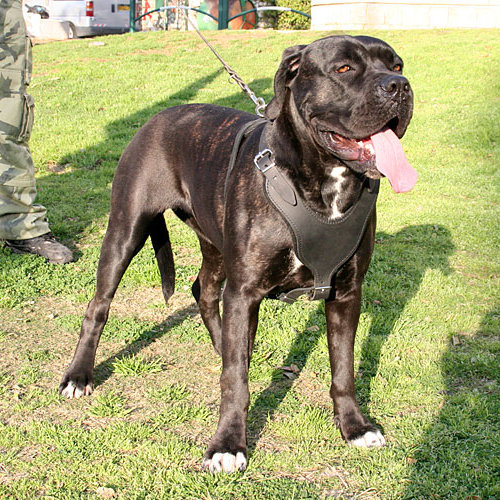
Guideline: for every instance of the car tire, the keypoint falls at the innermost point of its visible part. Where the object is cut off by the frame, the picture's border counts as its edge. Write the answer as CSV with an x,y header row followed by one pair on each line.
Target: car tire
x,y
72,31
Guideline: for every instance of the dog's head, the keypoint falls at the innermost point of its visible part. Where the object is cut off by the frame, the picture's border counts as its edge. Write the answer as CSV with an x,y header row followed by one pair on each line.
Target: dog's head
x,y
345,93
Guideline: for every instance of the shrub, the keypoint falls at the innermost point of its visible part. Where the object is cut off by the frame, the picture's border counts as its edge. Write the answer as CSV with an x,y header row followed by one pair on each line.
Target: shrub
x,y
291,20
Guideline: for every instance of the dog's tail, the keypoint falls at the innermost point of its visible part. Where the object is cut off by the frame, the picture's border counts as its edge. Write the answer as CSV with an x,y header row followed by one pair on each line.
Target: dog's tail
x,y
163,252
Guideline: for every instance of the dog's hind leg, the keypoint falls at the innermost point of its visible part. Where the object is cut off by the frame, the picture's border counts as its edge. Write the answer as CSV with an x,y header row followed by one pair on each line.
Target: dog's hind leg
x,y
163,252
207,291
125,236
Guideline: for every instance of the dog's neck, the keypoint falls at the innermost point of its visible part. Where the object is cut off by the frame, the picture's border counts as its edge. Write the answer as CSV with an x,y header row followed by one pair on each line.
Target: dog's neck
x,y
326,185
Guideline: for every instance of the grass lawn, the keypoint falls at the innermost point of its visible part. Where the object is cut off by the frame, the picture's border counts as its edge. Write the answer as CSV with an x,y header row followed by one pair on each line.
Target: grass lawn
x,y
428,341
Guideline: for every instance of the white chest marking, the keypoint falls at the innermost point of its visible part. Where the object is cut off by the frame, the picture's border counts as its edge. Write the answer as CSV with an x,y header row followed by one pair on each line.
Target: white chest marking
x,y
337,176
296,264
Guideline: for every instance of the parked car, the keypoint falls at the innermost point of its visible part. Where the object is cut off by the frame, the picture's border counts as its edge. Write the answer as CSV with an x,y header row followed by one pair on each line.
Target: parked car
x,y
87,18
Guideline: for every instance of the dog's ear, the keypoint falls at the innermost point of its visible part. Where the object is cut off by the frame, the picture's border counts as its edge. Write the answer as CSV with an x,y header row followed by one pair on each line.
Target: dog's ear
x,y
289,66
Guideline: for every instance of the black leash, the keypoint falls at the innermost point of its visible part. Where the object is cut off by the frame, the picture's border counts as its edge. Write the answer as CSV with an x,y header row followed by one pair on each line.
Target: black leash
x,y
260,104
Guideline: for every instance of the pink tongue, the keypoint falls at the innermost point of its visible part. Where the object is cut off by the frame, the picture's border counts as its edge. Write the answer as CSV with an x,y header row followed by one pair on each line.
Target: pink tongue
x,y
392,162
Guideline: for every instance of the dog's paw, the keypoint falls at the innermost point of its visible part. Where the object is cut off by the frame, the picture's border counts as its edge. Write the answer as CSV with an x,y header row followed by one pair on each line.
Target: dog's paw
x,y
370,439
225,462
74,390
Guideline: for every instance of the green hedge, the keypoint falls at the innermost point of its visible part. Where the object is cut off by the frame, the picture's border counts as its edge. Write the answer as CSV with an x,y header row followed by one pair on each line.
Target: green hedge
x,y
291,20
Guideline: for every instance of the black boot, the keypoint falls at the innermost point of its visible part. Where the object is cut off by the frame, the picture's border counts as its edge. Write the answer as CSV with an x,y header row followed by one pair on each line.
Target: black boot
x,y
45,246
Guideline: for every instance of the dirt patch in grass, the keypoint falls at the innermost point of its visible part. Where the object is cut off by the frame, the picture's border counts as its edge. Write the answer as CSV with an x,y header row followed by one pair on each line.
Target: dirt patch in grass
x,y
34,348
164,51
148,304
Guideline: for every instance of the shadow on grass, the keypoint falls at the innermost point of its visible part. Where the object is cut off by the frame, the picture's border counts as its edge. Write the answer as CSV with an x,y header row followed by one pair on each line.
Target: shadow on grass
x,y
398,266
104,370
464,437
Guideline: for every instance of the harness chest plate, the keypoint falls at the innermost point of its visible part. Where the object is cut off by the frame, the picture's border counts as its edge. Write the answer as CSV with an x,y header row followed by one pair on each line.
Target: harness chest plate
x,y
322,245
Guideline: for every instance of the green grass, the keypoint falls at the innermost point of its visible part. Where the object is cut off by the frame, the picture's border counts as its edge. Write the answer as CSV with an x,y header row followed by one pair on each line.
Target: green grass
x,y
136,365
428,341
109,404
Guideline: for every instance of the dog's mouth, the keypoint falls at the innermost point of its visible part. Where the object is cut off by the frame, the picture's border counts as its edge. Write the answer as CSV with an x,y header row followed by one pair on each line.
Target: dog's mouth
x,y
360,150
379,154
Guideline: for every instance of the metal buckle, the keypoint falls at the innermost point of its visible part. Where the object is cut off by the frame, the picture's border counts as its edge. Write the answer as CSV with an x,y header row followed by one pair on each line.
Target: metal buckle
x,y
264,160
292,296
322,291
310,292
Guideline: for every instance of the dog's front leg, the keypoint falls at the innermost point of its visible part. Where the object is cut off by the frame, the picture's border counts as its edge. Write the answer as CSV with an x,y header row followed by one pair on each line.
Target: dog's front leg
x,y
227,449
342,316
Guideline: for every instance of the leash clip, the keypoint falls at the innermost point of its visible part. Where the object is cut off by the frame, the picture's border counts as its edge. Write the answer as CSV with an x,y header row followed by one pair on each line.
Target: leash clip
x,y
264,160
260,104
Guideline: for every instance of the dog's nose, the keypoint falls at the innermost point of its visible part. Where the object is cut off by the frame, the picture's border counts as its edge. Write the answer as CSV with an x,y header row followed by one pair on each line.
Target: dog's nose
x,y
395,84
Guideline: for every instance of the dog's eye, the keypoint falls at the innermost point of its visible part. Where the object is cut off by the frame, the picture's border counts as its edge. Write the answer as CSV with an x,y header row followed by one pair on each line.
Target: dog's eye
x,y
344,69
397,68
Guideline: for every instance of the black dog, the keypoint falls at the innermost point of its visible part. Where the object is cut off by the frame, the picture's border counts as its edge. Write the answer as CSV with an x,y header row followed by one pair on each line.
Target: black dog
x,y
333,98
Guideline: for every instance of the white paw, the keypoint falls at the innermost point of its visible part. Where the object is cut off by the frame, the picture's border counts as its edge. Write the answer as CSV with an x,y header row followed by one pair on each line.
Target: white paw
x,y
71,391
369,440
226,462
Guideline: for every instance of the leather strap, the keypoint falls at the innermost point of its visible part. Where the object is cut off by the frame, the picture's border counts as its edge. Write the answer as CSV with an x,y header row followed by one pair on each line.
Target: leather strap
x,y
244,131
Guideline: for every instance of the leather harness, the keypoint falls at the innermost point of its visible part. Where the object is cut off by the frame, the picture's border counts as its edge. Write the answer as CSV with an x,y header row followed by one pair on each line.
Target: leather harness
x,y
322,245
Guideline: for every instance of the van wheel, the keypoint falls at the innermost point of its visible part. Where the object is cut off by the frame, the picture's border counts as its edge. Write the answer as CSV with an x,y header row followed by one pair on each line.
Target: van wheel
x,y
72,31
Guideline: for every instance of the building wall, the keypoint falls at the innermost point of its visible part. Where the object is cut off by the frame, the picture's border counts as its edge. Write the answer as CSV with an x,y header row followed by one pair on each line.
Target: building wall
x,y
404,14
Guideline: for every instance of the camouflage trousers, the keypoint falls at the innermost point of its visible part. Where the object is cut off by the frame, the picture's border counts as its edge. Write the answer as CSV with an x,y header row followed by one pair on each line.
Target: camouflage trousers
x,y
20,217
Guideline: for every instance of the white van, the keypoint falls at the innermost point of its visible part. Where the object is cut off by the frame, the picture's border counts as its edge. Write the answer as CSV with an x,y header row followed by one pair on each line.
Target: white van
x,y
86,18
